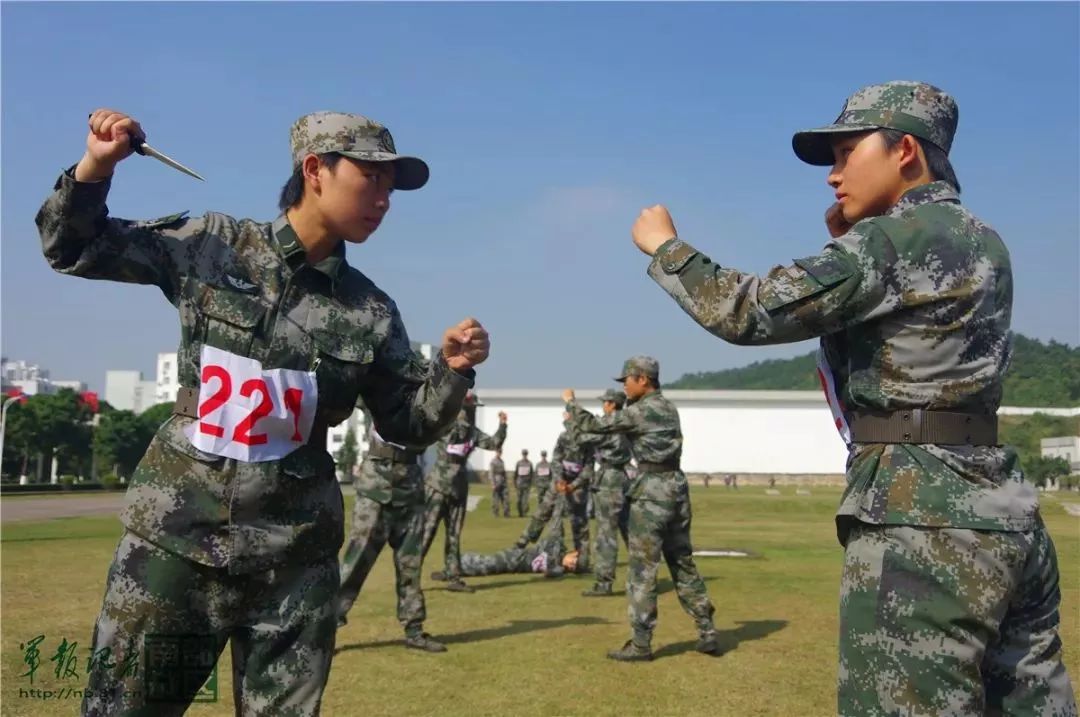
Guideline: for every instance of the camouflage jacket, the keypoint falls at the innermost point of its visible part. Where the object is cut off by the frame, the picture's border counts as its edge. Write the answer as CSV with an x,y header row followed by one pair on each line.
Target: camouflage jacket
x,y
613,453
245,287
387,481
571,459
544,480
497,471
449,475
652,426
527,477
913,310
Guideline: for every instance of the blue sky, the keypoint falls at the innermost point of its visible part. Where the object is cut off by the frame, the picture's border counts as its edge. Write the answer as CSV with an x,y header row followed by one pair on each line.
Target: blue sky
x,y
547,128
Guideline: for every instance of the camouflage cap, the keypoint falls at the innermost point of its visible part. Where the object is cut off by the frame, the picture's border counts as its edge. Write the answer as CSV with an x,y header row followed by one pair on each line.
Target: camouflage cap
x,y
524,451
616,397
915,108
356,137
640,366
543,453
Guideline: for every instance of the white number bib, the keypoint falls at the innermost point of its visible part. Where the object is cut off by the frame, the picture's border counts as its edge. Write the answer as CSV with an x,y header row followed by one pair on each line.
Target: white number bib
x,y
250,414
545,471
523,471
459,449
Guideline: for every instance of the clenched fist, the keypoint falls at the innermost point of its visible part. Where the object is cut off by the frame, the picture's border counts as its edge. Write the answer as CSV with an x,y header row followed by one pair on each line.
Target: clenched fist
x,y
107,144
465,345
835,221
652,228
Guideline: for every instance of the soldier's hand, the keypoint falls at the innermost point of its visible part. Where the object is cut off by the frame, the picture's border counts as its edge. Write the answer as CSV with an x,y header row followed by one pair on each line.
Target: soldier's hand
x,y
653,227
107,144
568,395
465,345
837,225
502,416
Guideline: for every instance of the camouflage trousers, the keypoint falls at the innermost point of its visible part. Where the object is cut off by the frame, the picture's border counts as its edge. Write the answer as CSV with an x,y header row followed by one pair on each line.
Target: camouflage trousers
x,y
523,488
511,560
662,530
577,505
448,509
500,499
553,504
171,617
610,523
944,621
373,526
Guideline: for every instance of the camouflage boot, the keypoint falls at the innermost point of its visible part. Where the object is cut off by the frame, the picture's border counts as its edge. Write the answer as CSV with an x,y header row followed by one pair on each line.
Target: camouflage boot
x,y
425,642
709,643
631,652
439,575
459,586
598,590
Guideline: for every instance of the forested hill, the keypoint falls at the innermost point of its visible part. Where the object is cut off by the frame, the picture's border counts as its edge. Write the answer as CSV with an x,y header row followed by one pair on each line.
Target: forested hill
x,y
1041,375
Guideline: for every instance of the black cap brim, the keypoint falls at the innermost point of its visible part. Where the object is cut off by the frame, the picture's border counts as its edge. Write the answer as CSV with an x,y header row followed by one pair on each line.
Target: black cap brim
x,y
409,172
814,146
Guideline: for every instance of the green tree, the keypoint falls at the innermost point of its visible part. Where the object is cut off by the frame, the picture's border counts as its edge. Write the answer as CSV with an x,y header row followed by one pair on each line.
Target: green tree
x,y
120,441
1026,433
348,454
156,415
60,427
1043,470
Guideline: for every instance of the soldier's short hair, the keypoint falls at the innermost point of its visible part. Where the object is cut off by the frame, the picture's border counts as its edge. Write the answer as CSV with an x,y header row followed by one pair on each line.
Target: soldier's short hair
x,y
293,191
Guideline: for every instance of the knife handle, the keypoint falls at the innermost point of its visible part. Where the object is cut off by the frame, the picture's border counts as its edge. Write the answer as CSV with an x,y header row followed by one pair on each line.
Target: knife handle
x,y
136,143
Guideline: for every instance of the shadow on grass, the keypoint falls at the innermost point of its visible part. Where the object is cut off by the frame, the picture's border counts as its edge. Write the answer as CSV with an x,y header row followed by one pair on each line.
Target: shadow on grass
x,y
729,639
513,627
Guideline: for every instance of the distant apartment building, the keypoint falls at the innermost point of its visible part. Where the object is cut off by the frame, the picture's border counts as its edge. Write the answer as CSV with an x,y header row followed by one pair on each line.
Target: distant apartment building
x,y
127,391
168,378
33,380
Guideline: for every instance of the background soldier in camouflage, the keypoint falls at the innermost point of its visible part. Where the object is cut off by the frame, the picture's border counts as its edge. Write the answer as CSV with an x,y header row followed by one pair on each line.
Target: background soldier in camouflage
x,y
447,488
949,596
500,498
543,477
659,507
389,507
579,450
609,493
553,504
523,480
246,552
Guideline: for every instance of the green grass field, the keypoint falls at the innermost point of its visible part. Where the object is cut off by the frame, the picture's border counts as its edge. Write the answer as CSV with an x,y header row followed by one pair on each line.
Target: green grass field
x,y
522,644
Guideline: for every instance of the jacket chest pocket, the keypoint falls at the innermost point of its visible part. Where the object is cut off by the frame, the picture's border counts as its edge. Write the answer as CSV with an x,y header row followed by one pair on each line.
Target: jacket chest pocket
x,y
228,319
341,364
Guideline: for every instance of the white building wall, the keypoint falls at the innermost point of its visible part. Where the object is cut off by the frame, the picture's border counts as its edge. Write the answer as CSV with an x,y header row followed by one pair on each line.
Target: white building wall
x,y
122,389
723,431
1067,447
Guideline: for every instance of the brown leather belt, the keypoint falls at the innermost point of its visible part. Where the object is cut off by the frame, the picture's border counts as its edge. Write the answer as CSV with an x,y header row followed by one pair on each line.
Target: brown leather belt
x,y
187,404
918,425
457,460
646,467
392,453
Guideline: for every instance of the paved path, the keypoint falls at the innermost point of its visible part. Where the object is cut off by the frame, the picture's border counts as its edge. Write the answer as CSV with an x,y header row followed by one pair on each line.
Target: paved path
x,y
51,506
